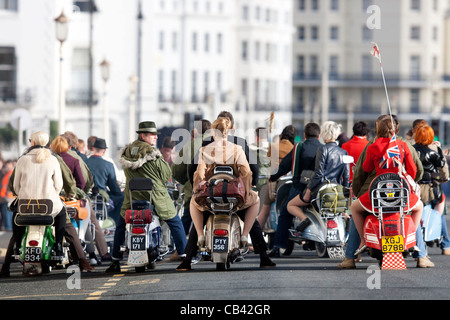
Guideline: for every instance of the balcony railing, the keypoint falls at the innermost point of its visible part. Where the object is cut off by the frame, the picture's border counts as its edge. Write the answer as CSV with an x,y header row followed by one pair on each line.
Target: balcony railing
x,y
369,77
80,98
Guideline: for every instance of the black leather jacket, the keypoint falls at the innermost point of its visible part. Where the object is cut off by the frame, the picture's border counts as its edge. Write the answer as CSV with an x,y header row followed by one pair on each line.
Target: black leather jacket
x,y
330,166
431,161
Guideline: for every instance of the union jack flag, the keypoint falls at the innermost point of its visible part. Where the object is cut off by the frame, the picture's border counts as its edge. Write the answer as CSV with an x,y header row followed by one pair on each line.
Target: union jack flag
x,y
391,154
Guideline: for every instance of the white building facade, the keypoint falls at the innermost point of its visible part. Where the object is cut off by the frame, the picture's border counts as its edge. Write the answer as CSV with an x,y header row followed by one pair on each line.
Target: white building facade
x,y
193,58
336,78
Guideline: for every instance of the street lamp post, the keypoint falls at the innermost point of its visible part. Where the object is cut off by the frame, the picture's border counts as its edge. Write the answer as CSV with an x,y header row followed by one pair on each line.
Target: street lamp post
x,y
132,108
62,29
104,69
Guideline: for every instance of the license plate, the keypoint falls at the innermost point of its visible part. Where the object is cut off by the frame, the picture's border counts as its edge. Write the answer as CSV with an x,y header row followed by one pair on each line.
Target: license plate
x,y
392,244
333,234
137,243
32,254
220,244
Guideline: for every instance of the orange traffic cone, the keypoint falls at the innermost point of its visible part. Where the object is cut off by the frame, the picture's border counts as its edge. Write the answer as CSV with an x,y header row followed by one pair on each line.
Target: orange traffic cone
x,y
393,261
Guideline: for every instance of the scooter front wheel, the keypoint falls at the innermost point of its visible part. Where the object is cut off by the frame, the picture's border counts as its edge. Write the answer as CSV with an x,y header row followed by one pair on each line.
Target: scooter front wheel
x,y
321,250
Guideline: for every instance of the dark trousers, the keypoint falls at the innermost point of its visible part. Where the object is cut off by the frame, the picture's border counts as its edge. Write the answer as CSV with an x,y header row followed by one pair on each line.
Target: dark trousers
x,y
59,224
285,220
256,234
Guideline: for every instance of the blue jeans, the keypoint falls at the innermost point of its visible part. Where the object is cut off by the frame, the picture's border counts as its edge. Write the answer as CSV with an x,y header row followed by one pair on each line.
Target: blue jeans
x,y
6,216
354,241
175,226
445,243
285,221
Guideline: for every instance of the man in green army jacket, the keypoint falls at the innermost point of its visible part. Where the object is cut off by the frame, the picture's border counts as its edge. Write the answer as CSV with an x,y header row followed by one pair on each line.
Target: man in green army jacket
x,y
141,158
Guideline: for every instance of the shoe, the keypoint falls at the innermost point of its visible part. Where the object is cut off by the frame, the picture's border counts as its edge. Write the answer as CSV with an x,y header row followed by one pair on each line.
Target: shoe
x,y
185,265
244,241
176,257
114,267
58,250
4,273
274,253
106,257
303,225
85,266
347,264
201,241
424,262
267,263
446,252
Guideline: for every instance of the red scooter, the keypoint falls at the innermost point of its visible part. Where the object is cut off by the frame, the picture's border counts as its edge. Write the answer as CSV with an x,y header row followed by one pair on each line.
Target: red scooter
x,y
390,229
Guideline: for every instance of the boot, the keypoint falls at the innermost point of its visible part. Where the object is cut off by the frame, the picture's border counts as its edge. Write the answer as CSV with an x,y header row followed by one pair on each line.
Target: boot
x,y
114,267
185,265
85,265
347,264
5,272
265,262
303,225
424,262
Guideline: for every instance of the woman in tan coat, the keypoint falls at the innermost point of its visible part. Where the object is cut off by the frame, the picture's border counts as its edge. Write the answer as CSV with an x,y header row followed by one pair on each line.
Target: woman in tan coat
x,y
223,152
38,176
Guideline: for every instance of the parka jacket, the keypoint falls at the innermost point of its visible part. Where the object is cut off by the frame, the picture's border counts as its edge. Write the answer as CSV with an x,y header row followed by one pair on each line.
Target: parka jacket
x,y
140,159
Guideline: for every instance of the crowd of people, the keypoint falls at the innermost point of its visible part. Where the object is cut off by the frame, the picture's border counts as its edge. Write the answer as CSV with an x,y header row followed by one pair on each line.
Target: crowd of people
x,y
69,167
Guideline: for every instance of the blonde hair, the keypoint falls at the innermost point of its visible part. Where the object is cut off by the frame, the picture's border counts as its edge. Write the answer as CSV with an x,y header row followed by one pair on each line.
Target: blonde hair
x,y
60,144
222,125
41,138
330,131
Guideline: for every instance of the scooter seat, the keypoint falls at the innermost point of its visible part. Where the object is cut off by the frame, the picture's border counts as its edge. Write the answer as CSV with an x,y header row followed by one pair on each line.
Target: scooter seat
x,y
33,220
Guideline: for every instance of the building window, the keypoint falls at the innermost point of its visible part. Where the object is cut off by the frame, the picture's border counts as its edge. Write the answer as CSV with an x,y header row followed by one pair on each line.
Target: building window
x,y
10,5
334,66
174,85
315,5
244,52
206,42
161,86
366,4
414,99
161,41
267,52
194,41
7,73
257,50
314,33
257,13
219,43
415,5
334,33
415,33
301,5
301,66
206,87
174,41
194,86
314,60
245,13
415,67
367,34
301,33
80,70
334,5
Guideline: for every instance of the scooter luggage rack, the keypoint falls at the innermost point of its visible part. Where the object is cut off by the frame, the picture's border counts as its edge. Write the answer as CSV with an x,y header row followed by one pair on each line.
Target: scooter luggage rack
x,y
218,205
331,210
383,206
100,206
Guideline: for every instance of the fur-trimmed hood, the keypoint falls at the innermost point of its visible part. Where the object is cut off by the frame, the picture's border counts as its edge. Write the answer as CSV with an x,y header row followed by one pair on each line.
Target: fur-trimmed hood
x,y
136,154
